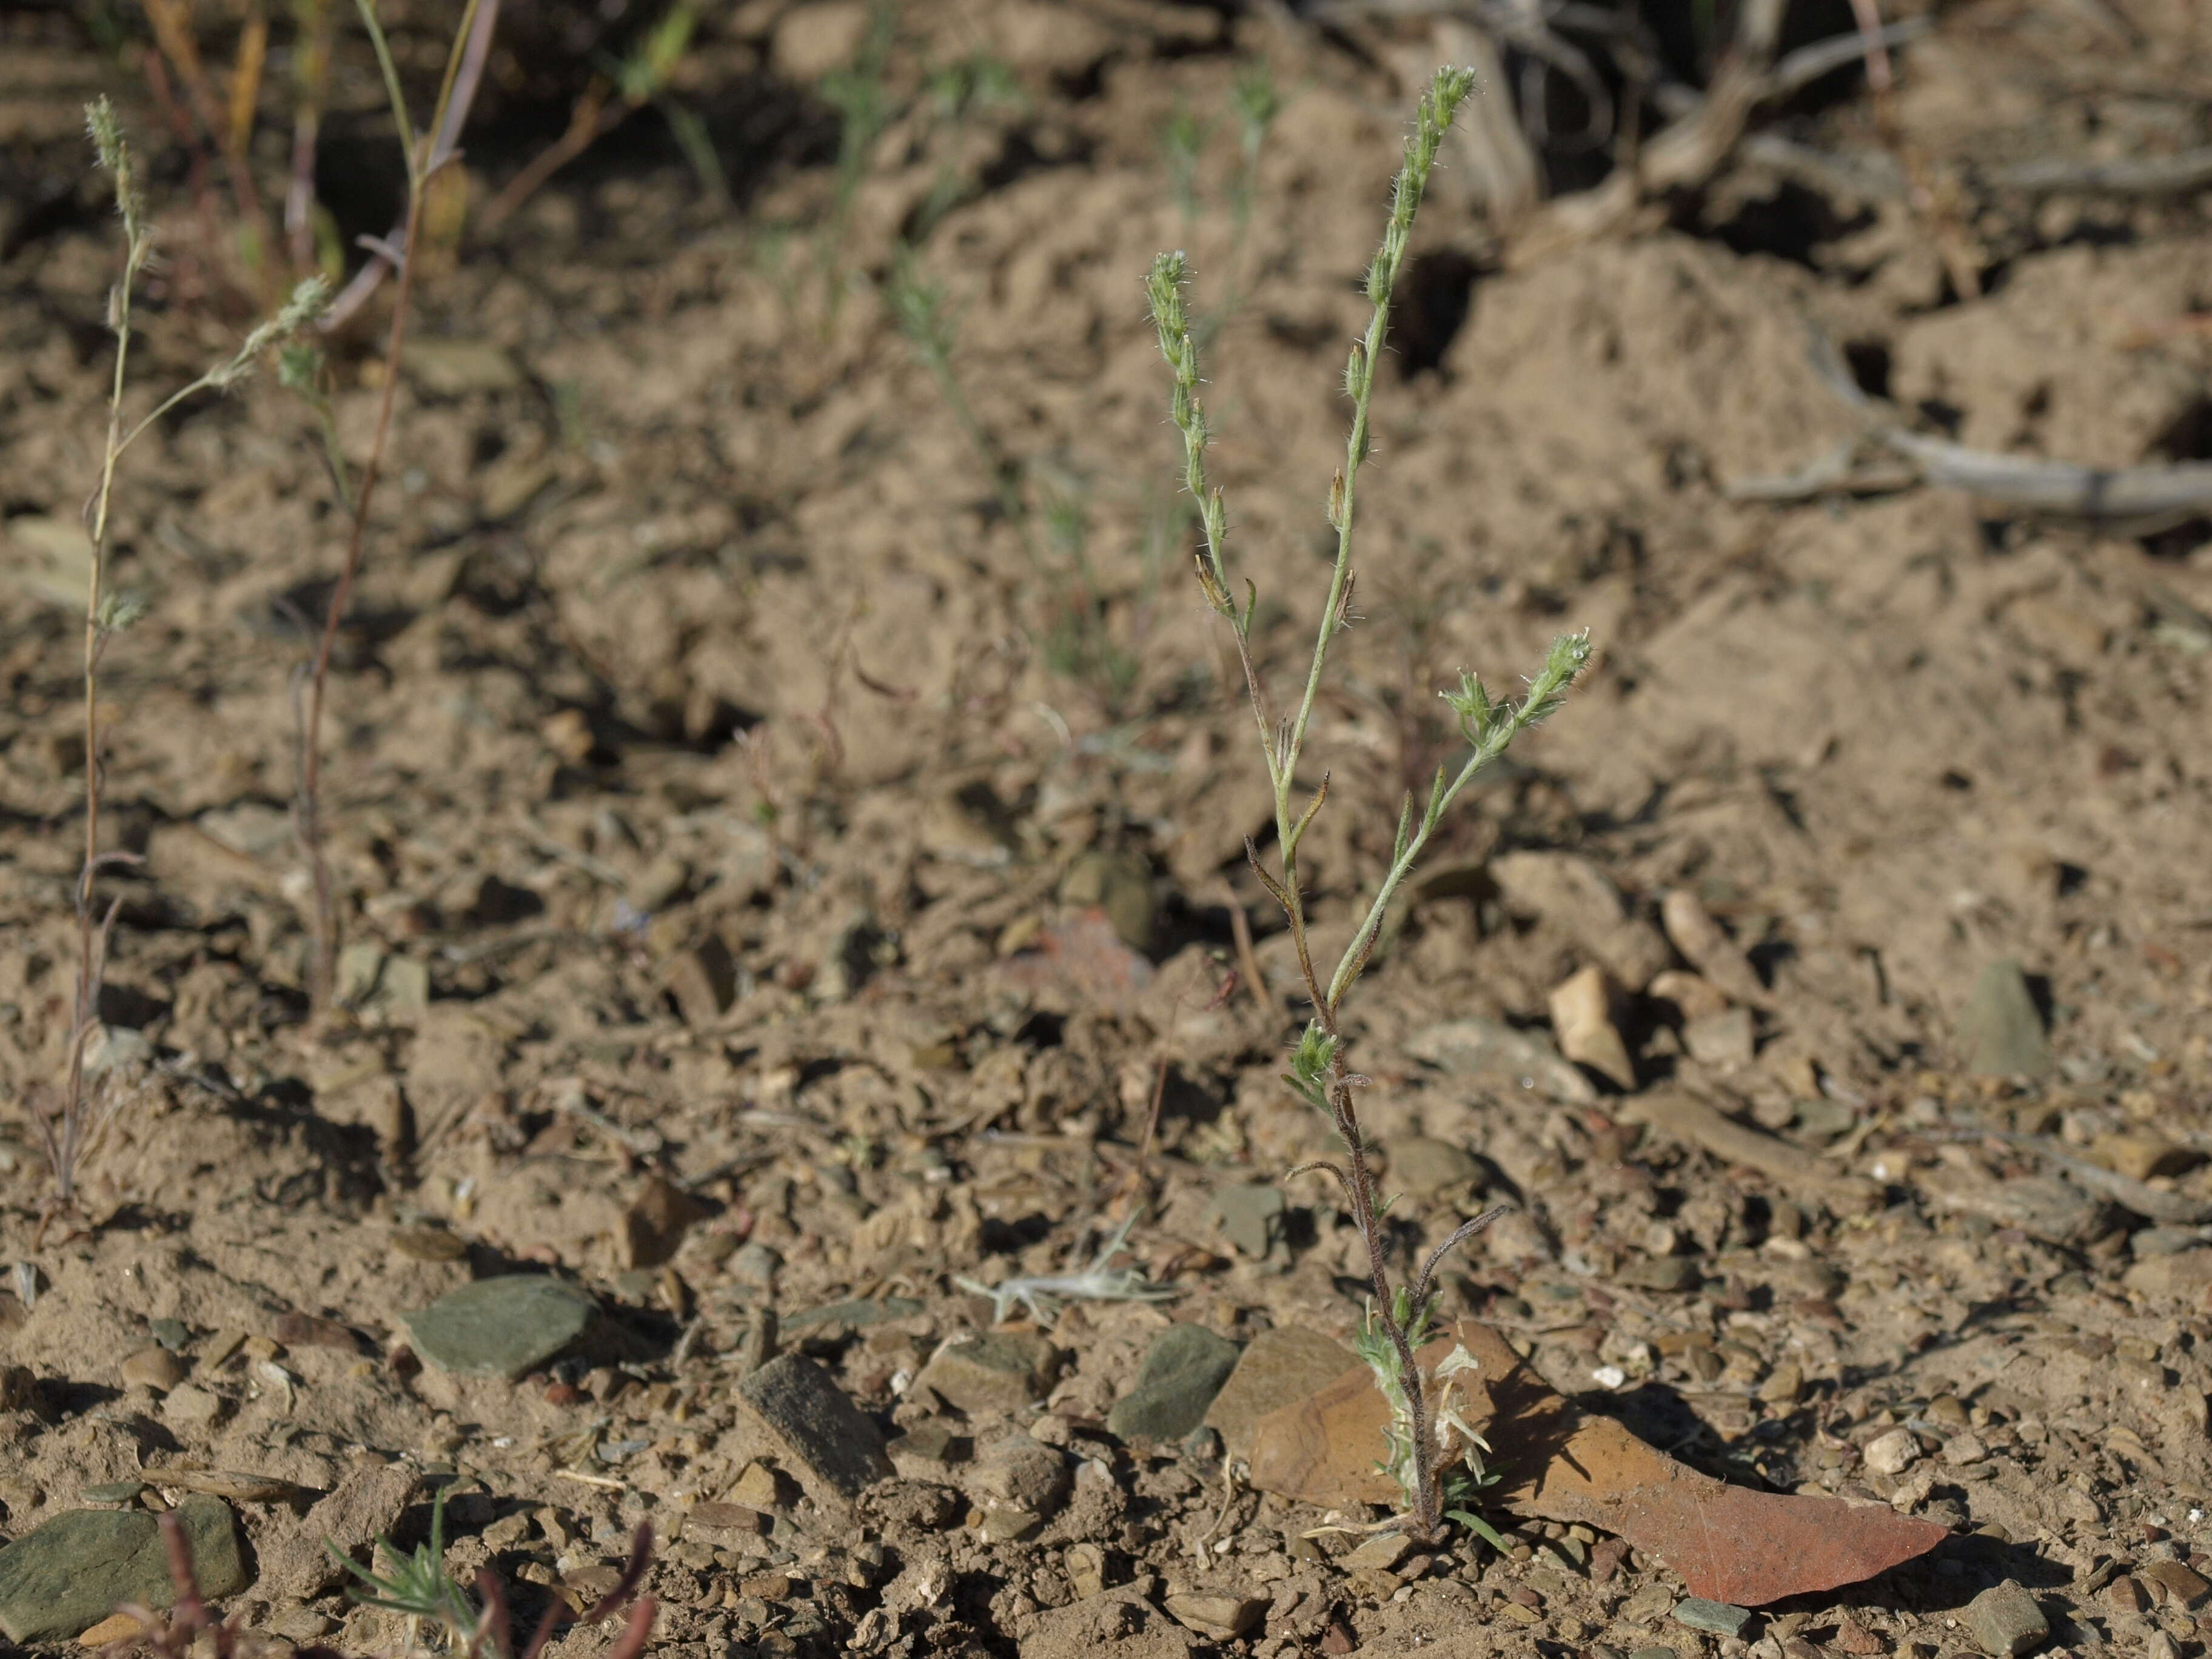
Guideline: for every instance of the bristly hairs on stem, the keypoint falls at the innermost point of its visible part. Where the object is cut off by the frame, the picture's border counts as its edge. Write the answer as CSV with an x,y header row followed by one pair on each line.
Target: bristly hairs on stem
x,y
1428,1438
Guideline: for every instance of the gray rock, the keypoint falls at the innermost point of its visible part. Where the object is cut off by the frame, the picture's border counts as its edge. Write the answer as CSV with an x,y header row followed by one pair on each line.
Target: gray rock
x,y
1491,1051
502,1327
1661,1273
1120,886
1378,1554
832,1446
1722,1040
1250,1217
998,1371
378,985
68,1575
755,1264
2006,1621
2042,1206
856,1314
2000,1030
1183,1371
1423,1166
2164,1240
1217,1618
1719,1617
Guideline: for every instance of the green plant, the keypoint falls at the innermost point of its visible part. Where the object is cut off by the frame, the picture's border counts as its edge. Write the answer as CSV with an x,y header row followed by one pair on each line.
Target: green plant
x,y
69,1131
427,157
415,1585
954,96
1255,102
619,91
1427,1435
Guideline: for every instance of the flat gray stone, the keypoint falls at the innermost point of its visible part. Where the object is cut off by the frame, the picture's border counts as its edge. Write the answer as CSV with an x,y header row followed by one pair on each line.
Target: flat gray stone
x,y
1699,1613
1251,1217
2001,1029
997,1371
829,1443
1661,1273
1492,1052
503,1327
854,1316
1184,1369
66,1575
2164,1241
2006,1621
2042,1206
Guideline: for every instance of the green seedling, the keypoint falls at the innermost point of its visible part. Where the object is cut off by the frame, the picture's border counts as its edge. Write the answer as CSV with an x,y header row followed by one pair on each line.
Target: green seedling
x,y
415,1585
1428,1437
954,97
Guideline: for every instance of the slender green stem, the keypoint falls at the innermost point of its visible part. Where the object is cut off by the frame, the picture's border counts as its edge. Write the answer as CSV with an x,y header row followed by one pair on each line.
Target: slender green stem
x,y
1401,1317
1569,653
421,169
368,10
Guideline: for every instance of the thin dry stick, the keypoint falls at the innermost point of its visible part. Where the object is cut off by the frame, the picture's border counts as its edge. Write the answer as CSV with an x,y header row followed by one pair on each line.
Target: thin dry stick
x,y
422,167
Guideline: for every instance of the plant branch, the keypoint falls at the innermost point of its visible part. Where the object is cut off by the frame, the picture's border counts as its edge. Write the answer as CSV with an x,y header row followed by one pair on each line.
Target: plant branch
x,y
1400,1317
470,41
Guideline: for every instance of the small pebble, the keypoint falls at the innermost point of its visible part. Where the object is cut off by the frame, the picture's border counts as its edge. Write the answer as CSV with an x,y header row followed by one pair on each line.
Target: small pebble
x,y
1891,1452
1719,1617
154,1368
2006,1621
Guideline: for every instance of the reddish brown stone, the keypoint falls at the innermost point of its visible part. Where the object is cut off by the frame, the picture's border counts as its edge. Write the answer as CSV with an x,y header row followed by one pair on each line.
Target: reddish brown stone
x,y
1730,1544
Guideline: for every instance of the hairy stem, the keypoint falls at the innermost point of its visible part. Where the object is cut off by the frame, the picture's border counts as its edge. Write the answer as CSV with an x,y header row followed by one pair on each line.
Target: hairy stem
x,y
1319,1073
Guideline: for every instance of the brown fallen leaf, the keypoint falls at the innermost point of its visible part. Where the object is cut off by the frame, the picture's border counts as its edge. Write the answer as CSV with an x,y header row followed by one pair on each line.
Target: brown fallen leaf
x,y
1728,1543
